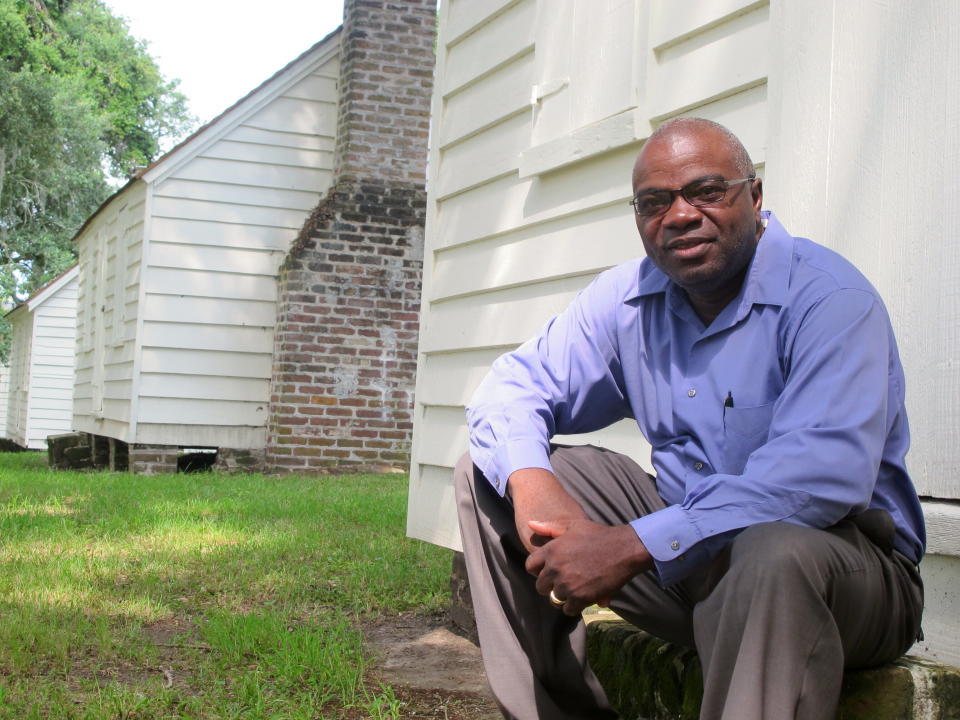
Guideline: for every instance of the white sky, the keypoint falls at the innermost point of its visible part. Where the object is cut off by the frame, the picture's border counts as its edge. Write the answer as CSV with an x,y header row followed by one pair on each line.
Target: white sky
x,y
221,49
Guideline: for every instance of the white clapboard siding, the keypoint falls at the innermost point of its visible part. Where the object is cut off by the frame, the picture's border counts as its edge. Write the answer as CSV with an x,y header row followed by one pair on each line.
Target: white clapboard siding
x,y
42,363
18,403
108,309
183,263
854,137
4,398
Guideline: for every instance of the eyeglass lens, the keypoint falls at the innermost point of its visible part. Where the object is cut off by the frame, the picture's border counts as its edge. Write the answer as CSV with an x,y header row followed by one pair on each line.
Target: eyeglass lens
x,y
698,193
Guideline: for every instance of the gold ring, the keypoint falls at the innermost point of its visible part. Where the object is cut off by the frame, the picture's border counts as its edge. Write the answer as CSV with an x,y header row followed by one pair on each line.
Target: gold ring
x,y
557,602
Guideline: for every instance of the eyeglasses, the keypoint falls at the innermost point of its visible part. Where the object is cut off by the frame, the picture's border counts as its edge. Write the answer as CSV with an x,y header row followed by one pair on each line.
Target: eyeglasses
x,y
699,193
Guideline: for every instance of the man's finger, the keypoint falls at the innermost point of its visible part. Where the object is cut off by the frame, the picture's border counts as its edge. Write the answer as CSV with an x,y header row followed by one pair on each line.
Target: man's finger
x,y
548,529
535,562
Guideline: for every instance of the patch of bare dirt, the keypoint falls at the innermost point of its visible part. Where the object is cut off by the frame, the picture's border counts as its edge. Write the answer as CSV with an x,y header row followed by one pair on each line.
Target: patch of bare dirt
x,y
435,672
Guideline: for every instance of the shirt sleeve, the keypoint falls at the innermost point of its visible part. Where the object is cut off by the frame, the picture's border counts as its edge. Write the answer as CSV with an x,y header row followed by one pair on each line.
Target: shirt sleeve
x,y
820,460
567,379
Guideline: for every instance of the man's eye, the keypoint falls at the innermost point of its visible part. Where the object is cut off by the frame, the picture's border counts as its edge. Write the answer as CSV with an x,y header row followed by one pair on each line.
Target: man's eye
x,y
652,202
706,192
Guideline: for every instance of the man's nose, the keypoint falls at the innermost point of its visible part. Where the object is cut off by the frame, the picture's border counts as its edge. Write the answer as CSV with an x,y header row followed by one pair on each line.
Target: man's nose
x,y
681,213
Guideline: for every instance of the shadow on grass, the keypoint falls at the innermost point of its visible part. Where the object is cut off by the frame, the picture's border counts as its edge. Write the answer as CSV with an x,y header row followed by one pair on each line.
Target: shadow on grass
x,y
262,577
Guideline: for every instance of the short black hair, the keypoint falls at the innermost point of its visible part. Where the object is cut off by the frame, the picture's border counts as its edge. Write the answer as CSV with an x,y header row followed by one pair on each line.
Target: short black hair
x,y
741,158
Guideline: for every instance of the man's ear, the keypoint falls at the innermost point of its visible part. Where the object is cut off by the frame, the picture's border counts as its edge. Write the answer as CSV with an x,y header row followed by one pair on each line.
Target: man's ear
x,y
756,192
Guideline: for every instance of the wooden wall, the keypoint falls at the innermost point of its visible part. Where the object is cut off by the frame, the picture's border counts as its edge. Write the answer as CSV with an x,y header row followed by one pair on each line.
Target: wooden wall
x,y
220,225
539,111
4,398
108,315
21,339
849,108
42,363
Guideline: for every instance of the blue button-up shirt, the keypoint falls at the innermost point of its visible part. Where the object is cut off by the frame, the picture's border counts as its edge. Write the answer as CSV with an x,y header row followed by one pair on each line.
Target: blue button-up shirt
x,y
788,406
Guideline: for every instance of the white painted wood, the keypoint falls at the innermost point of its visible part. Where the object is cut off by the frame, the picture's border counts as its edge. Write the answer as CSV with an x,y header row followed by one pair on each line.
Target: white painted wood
x,y
836,101
491,99
431,497
294,115
241,173
199,232
277,155
313,87
185,336
672,22
582,143
185,412
587,61
883,119
294,199
19,398
213,284
680,77
465,16
224,363
544,252
484,156
455,375
500,318
42,359
4,398
231,436
180,302
853,133
218,312
246,133
245,261
201,387
508,34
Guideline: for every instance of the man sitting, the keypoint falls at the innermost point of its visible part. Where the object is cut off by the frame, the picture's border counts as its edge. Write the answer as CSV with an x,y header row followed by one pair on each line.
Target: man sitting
x,y
781,532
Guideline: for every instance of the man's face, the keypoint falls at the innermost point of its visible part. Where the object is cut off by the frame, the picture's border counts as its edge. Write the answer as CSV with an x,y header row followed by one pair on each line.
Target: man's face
x,y
703,249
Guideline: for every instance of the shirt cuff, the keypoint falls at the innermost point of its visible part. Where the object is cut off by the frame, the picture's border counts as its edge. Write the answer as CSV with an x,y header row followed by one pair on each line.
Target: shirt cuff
x,y
517,455
671,538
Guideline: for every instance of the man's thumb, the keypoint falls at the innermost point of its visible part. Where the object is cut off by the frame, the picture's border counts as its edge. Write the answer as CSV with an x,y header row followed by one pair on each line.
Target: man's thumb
x,y
550,529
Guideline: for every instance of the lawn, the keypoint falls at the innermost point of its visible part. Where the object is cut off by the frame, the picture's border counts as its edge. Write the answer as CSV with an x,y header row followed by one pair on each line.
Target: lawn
x,y
202,595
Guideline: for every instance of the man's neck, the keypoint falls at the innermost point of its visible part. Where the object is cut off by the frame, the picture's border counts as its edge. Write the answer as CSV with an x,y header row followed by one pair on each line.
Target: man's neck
x,y
709,305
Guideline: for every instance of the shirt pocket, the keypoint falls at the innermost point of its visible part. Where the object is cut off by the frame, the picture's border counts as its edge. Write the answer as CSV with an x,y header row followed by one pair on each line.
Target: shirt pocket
x,y
747,422
744,429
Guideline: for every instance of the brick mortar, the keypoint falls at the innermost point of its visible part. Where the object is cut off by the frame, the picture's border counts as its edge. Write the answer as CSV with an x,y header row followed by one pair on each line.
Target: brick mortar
x,y
345,343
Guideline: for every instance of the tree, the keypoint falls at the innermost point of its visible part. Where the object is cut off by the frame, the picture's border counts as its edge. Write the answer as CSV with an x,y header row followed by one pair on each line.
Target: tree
x,y
81,103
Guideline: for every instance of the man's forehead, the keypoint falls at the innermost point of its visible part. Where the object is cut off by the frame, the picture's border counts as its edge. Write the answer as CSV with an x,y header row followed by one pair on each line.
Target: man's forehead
x,y
695,151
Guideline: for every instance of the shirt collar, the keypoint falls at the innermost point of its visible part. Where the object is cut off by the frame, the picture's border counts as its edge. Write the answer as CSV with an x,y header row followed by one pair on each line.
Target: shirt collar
x,y
767,280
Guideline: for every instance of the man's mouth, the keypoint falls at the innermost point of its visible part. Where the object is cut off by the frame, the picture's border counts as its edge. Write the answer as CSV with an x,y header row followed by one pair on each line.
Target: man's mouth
x,y
688,248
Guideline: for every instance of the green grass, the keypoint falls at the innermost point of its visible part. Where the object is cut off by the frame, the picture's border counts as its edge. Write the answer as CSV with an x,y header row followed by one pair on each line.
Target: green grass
x,y
241,593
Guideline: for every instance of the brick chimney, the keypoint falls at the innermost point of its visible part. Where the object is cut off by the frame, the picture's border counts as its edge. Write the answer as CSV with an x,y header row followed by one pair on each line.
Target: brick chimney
x,y
345,350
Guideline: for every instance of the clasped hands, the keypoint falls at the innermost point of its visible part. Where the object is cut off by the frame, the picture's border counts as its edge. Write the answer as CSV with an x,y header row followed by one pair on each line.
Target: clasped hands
x,y
582,562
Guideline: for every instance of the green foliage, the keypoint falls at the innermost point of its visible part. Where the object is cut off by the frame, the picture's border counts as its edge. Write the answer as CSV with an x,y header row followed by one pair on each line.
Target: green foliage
x,y
80,101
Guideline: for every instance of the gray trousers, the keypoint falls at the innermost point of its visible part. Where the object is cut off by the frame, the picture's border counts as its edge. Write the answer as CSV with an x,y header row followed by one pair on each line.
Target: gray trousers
x,y
775,618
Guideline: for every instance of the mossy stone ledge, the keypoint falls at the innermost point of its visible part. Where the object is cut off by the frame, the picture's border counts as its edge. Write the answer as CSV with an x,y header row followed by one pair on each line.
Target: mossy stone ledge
x,y
649,679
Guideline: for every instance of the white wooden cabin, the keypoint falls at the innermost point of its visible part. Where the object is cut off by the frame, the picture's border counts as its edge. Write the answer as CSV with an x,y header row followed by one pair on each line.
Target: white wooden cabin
x,y
178,269
41,372
848,107
4,398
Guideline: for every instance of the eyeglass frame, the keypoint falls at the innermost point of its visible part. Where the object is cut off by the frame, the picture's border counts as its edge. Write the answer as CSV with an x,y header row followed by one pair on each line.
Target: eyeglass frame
x,y
680,191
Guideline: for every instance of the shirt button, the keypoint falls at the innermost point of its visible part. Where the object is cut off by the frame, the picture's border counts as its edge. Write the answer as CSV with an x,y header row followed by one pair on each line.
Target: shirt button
x,y
698,466
674,545
691,393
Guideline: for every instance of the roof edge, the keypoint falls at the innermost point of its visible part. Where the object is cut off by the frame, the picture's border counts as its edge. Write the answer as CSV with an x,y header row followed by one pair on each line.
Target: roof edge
x,y
40,294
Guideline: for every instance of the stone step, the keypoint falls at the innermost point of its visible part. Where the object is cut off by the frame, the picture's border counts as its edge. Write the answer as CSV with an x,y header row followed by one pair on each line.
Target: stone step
x,y
649,679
